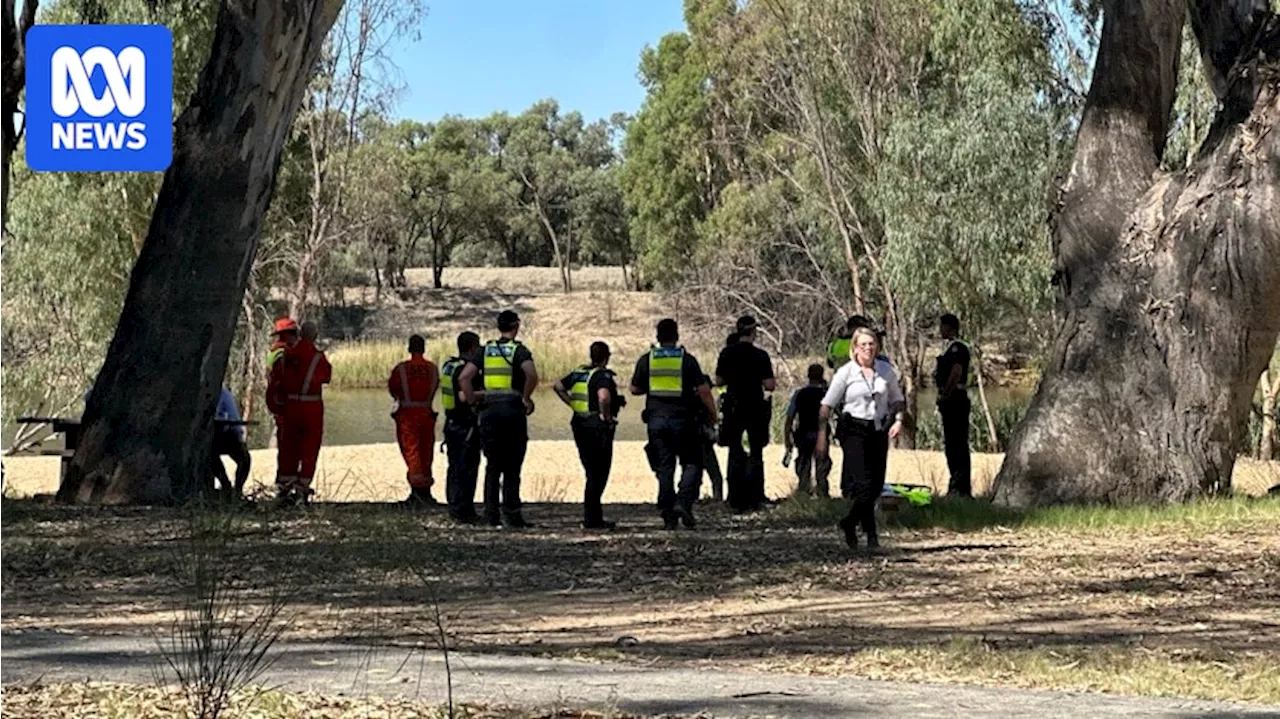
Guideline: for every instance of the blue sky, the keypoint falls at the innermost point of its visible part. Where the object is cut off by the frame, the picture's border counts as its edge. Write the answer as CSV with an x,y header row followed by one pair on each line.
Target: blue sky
x,y
479,56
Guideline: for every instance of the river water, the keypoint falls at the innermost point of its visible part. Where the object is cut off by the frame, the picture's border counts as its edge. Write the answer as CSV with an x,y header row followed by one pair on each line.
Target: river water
x,y
362,416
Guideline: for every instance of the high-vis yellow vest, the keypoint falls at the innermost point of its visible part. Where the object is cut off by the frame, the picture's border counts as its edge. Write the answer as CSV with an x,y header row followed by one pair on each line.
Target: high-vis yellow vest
x,y
666,375
838,352
499,360
580,392
448,396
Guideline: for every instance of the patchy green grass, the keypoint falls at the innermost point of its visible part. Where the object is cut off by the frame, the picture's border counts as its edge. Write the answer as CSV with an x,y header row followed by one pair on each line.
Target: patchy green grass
x,y
967,515
1203,515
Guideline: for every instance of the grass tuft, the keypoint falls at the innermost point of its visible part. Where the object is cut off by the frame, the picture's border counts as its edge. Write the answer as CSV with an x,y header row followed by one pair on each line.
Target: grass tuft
x,y
363,365
963,515
967,515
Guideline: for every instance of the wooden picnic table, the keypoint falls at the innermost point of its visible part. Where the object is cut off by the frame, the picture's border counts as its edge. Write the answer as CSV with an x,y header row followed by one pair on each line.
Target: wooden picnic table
x,y
69,428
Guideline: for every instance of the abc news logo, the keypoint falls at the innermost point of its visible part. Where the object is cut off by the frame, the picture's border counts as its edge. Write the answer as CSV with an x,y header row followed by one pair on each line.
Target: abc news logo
x,y
99,98
125,93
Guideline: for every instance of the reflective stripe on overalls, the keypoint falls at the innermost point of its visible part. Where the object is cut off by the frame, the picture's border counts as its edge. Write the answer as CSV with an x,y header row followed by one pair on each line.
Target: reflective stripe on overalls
x,y
580,392
666,375
498,363
404,389
448,398
306,383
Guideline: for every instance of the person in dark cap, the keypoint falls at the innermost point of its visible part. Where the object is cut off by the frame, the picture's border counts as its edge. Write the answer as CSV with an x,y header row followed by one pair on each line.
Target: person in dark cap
x,y
746,373
592,393
678,400
510,377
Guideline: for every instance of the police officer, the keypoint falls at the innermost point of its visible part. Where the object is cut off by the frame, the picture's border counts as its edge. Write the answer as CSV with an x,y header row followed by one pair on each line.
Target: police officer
x,y
840,348
592,393
950,376
800,430
746,373
461,427
675,387
711,437
509,380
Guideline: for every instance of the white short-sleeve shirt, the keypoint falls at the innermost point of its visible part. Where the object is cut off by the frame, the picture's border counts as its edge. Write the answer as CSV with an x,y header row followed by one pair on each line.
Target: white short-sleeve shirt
x,y
853,393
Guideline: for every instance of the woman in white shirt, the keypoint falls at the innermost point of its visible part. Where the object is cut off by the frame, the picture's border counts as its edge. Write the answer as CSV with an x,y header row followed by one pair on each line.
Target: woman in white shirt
x,y
868,402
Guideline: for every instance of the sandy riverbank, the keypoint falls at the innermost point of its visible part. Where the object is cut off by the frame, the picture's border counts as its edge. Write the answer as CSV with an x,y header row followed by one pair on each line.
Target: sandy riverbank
x,y
375,472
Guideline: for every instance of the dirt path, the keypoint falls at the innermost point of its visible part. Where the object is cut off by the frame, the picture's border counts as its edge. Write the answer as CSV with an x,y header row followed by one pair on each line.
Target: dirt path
x,y
388,671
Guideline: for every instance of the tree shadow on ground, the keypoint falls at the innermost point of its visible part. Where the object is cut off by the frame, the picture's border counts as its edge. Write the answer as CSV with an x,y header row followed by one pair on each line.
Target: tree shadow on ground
x,y
736,587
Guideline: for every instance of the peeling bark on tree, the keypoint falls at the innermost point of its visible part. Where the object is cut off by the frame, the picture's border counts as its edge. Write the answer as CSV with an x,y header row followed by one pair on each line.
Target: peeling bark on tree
x,y
1171,291
148,421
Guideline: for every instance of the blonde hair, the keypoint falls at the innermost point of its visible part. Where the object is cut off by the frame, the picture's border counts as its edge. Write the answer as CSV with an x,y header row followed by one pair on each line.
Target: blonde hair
x,y
861,332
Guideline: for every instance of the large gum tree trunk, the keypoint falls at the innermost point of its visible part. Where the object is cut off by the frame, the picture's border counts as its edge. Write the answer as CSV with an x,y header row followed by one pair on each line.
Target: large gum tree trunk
x,y
149,418
1170,282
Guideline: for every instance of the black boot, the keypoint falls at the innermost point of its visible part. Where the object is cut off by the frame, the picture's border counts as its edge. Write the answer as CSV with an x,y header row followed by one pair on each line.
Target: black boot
x,y
685,515
849,527
516,521
670,521
873,539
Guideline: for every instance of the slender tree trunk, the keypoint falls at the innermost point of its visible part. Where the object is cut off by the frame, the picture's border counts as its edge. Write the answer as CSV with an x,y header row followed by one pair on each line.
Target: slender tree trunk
x,y
992,438
1270,391
148,424
437,260
248,374
1171,291
13,32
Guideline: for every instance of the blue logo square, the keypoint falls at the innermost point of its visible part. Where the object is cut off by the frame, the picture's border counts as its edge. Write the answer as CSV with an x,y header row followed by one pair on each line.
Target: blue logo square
x,y
99,98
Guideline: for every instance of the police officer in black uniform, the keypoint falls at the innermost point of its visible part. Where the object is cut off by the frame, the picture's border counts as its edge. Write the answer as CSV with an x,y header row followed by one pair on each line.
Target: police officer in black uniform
x,y
746,373
675,387
509,378
462,428
591,391
950,376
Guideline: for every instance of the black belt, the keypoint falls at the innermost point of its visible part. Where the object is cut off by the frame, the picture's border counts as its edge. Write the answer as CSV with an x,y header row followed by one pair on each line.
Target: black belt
x,y
848,422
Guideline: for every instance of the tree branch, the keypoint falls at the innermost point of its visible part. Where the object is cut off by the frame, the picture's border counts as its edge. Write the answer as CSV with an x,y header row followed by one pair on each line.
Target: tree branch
x,y
1226,31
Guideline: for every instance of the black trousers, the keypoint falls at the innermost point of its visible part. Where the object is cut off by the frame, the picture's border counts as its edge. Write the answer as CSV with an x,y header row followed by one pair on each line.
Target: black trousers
x,y
595,448
866,456
808,465
229,444
711,463
504,436
746,470
673,439
955,442
462,442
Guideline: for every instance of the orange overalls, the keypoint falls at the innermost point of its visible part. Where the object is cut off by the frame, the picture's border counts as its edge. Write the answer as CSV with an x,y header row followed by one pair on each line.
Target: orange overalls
x,y
294,392
413,383
275,353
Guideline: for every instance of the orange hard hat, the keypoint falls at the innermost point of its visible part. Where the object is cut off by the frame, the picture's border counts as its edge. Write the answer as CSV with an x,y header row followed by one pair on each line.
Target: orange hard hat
x,y
285,324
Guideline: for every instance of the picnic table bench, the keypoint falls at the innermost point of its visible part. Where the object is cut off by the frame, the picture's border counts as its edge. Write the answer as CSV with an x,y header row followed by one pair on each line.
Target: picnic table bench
x,y
69,428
